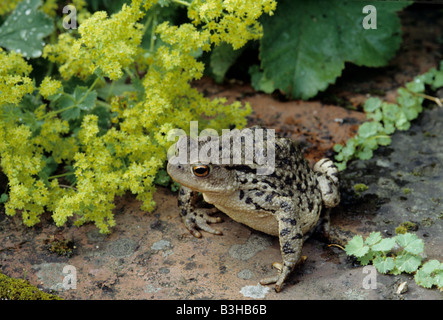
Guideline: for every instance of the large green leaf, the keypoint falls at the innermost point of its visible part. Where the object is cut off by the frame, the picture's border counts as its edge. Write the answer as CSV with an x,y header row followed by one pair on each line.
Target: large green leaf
x,y
222,58
24,30
306,43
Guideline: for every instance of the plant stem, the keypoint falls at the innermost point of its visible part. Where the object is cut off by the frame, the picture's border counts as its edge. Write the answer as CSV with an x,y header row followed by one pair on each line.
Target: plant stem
x,y
66,186
90,89
375,137
104,104
336,245
182,2
74,105
435,99
111,88
130,73
154,25
61,175
147,24
51,64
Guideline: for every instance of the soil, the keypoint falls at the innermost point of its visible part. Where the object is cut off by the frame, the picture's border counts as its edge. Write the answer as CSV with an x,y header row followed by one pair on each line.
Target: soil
x,y
153,256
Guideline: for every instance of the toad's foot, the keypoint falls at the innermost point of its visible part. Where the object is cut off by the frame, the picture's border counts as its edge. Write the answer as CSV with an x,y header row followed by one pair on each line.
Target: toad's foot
x,y
195,218
283,273
199,219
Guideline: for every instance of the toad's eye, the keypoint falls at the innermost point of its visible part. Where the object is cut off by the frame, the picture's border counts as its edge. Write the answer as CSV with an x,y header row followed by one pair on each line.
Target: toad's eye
x,y
200,170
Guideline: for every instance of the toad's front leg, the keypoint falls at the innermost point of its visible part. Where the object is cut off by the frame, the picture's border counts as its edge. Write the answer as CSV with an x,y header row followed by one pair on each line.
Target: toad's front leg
x,y
195,218
291,242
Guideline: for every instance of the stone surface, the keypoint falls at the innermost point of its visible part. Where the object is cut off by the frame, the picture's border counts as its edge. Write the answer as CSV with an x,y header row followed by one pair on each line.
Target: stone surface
x,y
153,256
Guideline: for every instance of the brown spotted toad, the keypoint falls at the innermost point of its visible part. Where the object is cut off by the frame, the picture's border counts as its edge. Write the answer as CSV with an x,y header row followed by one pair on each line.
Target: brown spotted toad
x,y
286,203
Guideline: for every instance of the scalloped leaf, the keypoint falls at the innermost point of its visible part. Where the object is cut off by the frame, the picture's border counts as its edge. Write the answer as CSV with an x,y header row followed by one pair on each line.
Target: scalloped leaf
x,y
26,27
410,242
356,247
306,43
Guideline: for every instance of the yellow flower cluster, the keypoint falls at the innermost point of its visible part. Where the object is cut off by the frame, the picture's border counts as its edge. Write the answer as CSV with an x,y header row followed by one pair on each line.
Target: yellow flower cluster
x,y
186,37
7,6
97,182
106,43
126,154
50,7
102,174
14,80
70,65
49,87
51,139
231,21
21,162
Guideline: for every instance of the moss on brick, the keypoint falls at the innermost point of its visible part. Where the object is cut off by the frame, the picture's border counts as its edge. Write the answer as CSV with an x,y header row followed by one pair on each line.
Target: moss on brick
x,y
19,289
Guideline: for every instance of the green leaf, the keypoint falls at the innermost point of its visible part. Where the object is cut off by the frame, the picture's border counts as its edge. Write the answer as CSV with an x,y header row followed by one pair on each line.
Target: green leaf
x,y
162,178
438,80
71,114
374,237
67,101
306,43
431,266
384,140
85,100
356,247
3,198
407,262
384,245
31,121
365,153
402,122
80,100
175,186
337,147
104,117
372,104
377,115
428,77
24,30
259,81
438,279
384,265
340,165
431,273
390,111
367,258
370,142
369,129
423,278
222,58
417,85
114,88
70,177
349,149
410,242
48,169
410,104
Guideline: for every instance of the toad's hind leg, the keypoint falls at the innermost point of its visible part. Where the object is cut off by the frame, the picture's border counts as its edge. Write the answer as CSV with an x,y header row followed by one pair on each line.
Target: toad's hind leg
x,y
291,242
327,176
